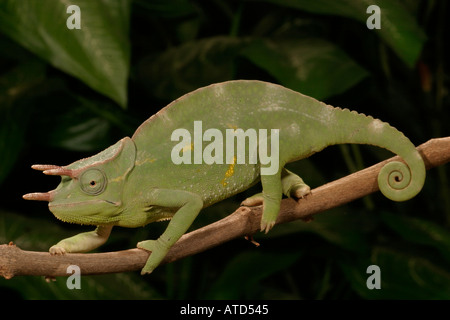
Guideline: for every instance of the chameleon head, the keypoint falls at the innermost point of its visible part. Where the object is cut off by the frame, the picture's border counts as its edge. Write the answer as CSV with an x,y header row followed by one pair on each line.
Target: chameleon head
x,y
90,191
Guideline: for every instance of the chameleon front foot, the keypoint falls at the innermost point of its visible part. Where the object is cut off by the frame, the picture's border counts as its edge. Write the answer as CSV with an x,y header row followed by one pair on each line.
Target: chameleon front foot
x,y
158,252
56,250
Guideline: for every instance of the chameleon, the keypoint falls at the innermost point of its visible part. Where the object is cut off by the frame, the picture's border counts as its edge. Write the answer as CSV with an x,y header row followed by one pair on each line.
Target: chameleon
x,y
136,181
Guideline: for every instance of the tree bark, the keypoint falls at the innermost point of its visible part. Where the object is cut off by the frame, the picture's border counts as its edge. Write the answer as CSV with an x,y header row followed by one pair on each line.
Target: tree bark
x,y
244,221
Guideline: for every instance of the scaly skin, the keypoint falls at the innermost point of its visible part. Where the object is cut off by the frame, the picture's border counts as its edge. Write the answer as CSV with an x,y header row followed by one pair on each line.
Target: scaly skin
x,y
135,181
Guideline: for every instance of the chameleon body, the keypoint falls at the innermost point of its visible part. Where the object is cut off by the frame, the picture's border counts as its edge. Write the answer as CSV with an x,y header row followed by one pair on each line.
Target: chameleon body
x,y
136,182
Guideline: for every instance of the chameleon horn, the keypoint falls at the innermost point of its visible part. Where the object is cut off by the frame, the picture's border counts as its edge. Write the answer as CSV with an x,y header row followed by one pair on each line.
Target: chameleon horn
x,y
43,167
40,196
59,172
53,170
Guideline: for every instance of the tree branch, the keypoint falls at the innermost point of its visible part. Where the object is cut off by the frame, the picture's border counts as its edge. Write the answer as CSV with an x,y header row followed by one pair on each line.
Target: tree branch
x,y
244,221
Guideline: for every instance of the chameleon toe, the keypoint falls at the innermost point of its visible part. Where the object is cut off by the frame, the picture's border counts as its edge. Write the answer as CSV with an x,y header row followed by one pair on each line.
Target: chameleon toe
x,y
301,191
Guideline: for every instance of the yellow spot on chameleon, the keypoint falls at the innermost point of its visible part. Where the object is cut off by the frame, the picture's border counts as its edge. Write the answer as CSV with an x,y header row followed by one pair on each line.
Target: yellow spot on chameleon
x,y
144,157
144,161
125,174
232,126
188,147
229,172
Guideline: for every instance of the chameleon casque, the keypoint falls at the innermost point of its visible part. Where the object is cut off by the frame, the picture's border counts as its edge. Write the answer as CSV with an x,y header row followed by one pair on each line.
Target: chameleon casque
x,y
135,181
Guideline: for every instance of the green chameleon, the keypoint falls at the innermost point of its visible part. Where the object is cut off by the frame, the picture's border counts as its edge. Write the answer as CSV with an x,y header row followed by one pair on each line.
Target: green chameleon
x,y
163,172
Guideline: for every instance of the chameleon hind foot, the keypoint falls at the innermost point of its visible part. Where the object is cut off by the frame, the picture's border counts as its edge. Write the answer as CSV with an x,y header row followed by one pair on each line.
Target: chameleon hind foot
x,y
289,184
270,209
267,220
300,191
293,186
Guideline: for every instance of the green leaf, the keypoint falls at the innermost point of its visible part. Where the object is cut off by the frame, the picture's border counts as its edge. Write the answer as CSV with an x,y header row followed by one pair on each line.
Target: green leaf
x,y
168,8
191,65
399,28
344,230
245,271
76,128
313,67
97,54
86,125
420,231
403,276
22,231
121,286
15,110
84,135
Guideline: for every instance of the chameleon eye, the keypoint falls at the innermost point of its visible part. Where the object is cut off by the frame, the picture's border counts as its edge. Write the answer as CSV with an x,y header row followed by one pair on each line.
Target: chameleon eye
x,y
93,181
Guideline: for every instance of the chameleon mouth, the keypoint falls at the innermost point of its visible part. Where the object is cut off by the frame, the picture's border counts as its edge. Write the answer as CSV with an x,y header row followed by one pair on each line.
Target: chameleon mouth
x,y
72,219
85,213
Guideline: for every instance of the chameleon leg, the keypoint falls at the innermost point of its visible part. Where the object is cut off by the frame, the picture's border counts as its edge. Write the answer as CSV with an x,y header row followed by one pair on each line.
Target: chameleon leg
x,y
272,192
189,205
293,186
82,242
288,183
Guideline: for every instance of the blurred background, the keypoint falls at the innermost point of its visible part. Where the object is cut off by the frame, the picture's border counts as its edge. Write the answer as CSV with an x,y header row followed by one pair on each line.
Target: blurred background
x,y
66,94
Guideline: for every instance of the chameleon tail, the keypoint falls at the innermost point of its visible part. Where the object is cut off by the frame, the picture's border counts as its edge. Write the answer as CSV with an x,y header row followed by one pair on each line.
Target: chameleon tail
x,y
398,181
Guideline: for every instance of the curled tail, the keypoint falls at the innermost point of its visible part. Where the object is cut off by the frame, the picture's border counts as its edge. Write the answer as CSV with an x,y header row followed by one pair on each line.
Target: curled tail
x,y
398,181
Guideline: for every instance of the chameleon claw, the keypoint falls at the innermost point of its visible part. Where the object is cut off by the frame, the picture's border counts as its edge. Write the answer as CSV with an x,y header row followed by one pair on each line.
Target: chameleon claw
x,y
57,251
145,272
267,226
301,192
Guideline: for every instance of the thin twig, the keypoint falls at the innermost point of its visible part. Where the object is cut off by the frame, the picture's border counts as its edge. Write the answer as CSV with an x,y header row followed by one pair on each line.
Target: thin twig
x,y
244,221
